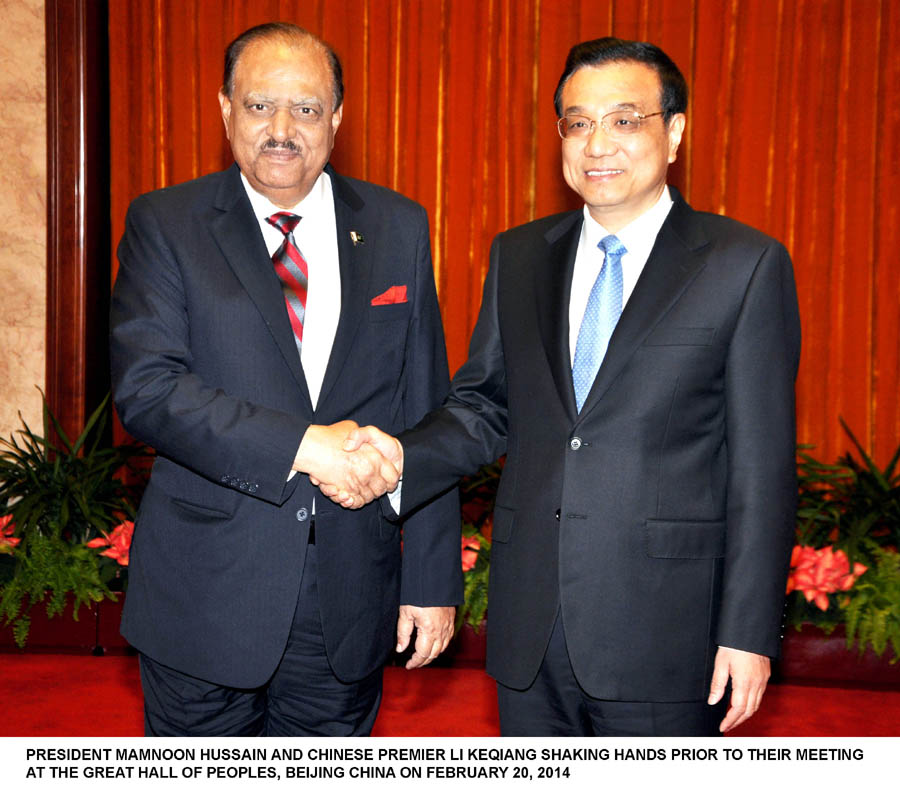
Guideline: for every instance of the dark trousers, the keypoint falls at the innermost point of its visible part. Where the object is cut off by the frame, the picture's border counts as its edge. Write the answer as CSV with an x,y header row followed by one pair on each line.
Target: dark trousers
x,y
302,698
555,705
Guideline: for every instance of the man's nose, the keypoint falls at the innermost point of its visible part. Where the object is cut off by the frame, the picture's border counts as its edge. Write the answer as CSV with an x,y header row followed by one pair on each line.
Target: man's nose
x,y
281,125
599,142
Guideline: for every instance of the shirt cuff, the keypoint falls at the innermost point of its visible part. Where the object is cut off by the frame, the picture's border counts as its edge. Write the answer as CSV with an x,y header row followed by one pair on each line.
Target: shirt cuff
x,y
394,498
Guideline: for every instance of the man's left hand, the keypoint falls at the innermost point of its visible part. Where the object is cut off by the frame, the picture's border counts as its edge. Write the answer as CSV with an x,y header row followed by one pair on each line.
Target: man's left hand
x,y
749,673
434,629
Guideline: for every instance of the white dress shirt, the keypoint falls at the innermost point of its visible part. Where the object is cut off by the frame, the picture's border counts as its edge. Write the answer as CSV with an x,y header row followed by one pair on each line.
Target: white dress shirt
x,y
638,237
316,237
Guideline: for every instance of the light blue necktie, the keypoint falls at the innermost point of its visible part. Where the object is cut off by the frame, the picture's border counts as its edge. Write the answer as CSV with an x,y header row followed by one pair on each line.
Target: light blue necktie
x,y
600,317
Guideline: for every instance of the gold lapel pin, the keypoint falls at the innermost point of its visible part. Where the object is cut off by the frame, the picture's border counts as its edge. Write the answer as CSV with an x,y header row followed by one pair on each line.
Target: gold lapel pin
x,y
357,238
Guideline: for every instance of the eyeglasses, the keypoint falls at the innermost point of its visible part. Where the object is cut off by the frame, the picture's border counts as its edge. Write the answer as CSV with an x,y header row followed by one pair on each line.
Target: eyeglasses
x,y
618,124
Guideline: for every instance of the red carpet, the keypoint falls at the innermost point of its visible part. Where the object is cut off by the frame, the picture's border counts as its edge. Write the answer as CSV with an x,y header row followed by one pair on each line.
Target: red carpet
x,y
63,695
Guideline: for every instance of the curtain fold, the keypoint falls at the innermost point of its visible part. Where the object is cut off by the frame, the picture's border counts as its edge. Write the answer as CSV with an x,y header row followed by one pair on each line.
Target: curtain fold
x,y
792,128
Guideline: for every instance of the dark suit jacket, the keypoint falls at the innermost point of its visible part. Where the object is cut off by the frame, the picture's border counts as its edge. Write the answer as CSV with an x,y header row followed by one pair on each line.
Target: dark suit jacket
x,y
660,518
206,371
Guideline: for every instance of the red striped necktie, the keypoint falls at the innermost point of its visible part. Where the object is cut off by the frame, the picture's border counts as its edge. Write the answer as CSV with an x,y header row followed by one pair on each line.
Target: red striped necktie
x,y
292,270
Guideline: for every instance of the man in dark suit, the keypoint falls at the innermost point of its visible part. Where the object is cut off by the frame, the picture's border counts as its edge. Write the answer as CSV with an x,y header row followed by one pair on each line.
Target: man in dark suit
x,y
254,308
645,514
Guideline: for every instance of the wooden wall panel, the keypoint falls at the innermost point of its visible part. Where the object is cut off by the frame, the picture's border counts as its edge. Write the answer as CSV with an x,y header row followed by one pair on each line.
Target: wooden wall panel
x,y
793,128
885,351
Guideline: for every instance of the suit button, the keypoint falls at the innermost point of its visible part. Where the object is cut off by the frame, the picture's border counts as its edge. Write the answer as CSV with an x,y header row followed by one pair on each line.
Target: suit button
x,y
302,514
253,487
225,478
557,515
575,443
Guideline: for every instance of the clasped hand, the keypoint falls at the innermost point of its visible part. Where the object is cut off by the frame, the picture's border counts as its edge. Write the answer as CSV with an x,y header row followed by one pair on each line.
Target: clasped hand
x,y
351,465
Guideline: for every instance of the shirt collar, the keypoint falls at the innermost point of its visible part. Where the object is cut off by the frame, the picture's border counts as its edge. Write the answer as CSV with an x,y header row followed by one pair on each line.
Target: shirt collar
x,y
311,206
638,236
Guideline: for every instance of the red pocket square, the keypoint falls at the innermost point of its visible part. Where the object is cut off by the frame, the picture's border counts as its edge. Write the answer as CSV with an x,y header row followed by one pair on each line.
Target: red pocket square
x,y
396,294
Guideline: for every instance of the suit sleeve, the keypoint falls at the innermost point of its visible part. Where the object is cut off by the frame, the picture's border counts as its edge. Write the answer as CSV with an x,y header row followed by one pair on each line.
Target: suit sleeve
x,y
761,368
470,429
161,402
432,569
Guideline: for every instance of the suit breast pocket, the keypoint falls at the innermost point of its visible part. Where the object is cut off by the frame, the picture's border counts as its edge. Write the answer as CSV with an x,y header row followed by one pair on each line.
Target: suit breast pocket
x,y
381,342
390,312
677,337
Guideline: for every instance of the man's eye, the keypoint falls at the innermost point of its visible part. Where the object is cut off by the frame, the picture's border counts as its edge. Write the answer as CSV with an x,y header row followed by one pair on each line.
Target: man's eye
x,y
258,107
626,122
577,125
306,113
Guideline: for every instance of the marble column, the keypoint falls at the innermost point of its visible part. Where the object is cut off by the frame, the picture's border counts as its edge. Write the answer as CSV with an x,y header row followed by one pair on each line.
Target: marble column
x,y
23,153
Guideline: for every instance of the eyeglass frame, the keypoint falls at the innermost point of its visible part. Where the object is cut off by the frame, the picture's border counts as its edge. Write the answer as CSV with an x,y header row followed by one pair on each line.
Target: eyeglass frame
x,y
594,122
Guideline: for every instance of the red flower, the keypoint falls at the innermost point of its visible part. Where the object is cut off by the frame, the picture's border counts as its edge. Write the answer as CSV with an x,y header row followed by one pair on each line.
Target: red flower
x,y
7,540
818,572
470,547
118,541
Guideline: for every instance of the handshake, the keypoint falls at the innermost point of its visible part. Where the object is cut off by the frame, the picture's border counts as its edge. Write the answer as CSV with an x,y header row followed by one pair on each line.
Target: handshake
x,y
351,465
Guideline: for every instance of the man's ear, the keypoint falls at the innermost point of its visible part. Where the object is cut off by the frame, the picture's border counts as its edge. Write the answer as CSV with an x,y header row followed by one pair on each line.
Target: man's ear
x,y
225,105
675,131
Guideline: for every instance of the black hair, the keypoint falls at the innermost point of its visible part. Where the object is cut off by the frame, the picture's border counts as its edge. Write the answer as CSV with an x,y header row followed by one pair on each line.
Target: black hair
x,y
597,52
290,33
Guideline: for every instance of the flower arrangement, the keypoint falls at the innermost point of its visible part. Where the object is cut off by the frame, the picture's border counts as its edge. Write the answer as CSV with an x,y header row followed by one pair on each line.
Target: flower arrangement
x,y
8,539
477,498
845,568
116,545
60,502
819,572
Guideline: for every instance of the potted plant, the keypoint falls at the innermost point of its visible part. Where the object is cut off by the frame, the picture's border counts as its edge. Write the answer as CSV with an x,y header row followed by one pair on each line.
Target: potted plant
x,y
845,568
65,518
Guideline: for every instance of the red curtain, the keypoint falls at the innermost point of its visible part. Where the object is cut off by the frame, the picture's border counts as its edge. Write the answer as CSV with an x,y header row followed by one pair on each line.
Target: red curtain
x,y
792,128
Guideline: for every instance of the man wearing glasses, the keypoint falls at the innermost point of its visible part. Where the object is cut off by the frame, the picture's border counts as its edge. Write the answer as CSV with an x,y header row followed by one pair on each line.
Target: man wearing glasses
x,y
635,361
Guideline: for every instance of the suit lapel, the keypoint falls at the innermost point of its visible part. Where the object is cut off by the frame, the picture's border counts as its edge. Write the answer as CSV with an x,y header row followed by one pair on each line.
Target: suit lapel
x,y
236,232
356,268
675,260
553,283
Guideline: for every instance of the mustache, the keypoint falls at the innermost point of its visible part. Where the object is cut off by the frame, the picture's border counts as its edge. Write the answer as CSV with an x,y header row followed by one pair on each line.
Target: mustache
x,y
288,144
